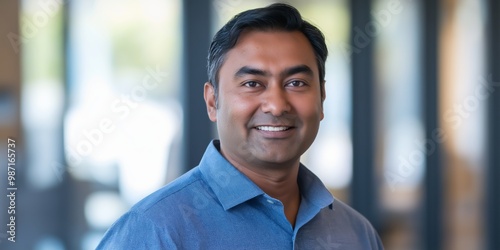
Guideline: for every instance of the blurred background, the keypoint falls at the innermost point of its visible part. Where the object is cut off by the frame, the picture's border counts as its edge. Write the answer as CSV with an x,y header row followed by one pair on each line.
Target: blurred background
x,y
104,100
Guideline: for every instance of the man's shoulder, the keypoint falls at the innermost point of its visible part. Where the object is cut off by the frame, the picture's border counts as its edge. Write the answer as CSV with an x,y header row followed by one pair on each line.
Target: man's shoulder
x,y
349,227
144,227
352,221
349,213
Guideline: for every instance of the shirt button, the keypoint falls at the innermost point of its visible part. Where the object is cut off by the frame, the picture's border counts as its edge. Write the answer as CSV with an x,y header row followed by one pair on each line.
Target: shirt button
x,y
270,201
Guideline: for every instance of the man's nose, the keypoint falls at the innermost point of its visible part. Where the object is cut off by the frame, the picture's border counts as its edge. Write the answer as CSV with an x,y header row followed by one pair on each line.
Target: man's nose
x,y
275,100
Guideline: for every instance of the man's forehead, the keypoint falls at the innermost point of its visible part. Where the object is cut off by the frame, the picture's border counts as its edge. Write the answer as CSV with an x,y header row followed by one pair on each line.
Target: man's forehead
x,y
259,49
271,42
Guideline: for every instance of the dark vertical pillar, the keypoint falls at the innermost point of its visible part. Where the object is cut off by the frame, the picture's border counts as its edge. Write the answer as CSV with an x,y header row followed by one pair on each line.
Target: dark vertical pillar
x,y
196,40
65,188
363,92
432,229
492,219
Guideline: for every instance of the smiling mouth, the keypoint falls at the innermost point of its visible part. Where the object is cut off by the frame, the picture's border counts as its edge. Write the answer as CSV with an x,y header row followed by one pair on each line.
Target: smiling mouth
x,y
273,128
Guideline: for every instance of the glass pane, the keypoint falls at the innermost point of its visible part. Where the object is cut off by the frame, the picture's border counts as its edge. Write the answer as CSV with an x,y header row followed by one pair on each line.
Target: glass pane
x,y
124,115
42,100
42,90
464,95
400,144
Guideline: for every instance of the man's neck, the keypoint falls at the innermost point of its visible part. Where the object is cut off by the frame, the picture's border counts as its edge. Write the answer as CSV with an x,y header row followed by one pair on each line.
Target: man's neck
x,y
280,184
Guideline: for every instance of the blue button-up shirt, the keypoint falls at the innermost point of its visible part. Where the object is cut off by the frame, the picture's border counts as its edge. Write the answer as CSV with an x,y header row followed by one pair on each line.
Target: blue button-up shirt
x,y
215,206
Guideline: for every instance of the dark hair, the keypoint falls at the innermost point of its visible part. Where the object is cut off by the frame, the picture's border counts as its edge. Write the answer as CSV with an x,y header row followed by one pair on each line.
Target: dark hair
x,y
278,16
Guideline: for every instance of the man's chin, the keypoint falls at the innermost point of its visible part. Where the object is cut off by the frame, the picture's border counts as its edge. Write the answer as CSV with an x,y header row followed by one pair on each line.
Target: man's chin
x,y
277,160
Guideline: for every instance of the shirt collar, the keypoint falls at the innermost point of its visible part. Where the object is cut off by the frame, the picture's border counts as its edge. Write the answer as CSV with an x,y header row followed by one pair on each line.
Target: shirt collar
x,y
229,185
233,187
312,189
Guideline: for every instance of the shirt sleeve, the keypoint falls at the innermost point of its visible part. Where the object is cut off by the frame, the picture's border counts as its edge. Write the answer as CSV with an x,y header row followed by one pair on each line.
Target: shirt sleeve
x,y
135,231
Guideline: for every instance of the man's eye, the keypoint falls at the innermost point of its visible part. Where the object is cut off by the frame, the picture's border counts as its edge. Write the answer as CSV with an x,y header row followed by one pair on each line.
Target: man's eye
x,y
296,84
251,84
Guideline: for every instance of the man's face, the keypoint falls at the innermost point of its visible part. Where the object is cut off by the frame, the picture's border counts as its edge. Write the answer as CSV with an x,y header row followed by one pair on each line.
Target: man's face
x,y
269,101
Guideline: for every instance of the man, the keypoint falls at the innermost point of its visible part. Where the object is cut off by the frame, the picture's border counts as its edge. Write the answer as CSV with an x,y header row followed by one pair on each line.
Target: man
x,y
265,92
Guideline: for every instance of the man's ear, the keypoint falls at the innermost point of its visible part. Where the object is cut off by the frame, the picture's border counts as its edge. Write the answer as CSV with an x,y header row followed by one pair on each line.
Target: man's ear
x,y
209,95
323,92
323,97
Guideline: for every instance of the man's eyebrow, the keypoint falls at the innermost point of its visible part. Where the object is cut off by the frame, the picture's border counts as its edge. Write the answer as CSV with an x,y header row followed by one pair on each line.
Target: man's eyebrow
x,y
296,70
246,70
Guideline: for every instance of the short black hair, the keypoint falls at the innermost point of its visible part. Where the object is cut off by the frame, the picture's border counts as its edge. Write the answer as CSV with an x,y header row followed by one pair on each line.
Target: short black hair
x,y
278,16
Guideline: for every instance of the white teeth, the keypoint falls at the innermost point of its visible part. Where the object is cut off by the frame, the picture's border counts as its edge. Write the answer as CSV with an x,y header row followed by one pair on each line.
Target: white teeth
x,y
273,129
